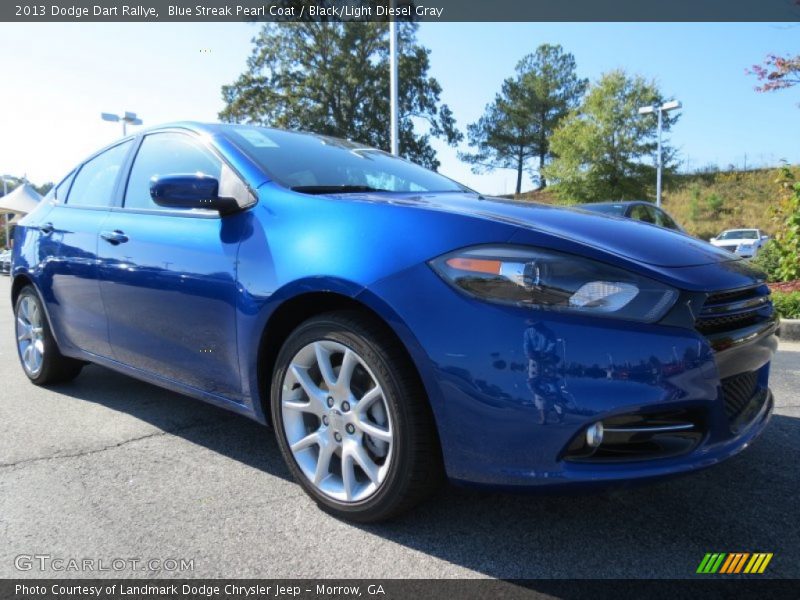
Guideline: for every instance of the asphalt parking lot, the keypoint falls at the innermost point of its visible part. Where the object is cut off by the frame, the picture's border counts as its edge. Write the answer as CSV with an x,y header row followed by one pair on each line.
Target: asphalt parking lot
x,y
107,467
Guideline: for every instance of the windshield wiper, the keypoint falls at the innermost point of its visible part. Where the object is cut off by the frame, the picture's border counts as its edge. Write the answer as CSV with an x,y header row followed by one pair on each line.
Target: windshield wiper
x,y
335,189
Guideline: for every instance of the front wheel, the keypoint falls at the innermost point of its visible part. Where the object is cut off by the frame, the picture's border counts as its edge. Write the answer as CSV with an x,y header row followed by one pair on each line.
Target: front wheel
x,y
38,352
352,419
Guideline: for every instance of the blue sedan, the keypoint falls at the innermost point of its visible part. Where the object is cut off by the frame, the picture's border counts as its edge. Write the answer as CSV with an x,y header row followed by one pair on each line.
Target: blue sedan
x,y
393,326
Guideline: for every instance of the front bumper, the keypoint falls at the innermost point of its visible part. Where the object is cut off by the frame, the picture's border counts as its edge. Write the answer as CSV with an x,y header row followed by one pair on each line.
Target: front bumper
x,y
511,388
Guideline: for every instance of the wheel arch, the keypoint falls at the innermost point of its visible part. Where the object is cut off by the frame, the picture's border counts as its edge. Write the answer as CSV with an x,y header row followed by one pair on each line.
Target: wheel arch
x,y
19,282
297,309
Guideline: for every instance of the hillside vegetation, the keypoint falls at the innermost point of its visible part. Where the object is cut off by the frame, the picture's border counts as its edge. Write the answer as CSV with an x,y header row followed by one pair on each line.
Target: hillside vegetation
x,y
707,203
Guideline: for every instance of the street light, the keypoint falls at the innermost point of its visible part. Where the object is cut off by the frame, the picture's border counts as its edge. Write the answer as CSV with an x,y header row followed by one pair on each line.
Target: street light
x,y
659,110
126,118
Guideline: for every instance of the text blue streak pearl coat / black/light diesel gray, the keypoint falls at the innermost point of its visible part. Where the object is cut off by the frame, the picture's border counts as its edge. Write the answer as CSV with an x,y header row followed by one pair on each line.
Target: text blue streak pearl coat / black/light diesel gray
x,y
391,323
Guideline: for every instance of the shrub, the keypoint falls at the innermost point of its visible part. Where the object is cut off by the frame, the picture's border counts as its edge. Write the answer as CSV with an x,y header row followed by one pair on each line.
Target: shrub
x,y
715,204
768,260
694,203
788,238
787,304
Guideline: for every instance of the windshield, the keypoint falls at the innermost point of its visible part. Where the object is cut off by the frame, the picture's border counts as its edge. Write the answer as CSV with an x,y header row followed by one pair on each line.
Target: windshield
x,y
316,164
606,209
739,234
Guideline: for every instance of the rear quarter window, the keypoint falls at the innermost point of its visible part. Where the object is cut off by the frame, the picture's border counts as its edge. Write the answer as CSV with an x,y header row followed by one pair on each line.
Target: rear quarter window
x,y
94,184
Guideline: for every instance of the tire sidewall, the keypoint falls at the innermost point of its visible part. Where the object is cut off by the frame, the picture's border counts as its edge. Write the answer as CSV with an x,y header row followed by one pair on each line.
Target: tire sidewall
x,y
391,488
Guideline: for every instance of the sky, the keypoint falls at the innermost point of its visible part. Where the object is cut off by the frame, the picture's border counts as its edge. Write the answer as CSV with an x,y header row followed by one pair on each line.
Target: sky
x,y
58,78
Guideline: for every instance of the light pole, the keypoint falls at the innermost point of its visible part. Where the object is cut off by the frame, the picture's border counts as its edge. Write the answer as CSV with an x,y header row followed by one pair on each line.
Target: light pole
x,y
659,110
126,118
393,94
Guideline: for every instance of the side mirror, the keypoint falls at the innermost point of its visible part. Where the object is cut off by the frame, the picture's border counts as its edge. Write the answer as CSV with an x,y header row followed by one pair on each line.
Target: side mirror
x,y
190,191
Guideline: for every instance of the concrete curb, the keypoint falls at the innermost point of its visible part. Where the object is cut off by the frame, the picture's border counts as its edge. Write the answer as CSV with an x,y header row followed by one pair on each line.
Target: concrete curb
x,y
790,330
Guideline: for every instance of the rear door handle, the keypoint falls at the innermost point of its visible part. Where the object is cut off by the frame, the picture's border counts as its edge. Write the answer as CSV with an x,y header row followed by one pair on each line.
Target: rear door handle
x,y
47,228
115,237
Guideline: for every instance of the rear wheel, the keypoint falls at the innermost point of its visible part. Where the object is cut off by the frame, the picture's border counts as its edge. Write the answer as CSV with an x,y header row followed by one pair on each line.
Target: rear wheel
x,y
36,347
352,420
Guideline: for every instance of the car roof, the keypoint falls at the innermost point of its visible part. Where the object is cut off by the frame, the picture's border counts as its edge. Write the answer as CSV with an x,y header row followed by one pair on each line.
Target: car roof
x,y
216,128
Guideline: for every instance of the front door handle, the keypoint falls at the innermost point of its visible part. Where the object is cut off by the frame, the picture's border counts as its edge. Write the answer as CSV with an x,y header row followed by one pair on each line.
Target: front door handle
x,y
46,228
115,237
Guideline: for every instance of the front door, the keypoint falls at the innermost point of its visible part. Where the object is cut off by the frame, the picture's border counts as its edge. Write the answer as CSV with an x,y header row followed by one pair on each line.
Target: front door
x,y
168,277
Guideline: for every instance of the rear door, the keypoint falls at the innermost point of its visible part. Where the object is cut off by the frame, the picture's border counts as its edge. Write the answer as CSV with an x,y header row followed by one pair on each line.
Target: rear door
x,y
169,275
69,238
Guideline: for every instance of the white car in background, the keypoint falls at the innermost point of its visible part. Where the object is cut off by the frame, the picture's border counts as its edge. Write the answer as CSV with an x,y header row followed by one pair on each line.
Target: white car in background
x,y
5,261
744,242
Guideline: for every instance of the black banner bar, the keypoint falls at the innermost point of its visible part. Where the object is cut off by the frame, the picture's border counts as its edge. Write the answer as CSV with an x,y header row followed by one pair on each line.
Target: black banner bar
x,y
416,10
392,589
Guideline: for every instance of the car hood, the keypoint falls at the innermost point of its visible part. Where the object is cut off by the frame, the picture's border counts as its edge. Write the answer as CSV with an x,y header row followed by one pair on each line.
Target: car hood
x,y
623,237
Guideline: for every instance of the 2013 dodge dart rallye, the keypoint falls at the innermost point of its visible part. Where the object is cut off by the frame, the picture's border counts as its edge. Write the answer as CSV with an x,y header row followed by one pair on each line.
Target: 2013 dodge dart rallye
x,y
393,326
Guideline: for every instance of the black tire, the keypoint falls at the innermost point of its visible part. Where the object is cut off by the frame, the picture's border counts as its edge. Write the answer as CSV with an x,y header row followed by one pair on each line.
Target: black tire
x,y
55,367
415,470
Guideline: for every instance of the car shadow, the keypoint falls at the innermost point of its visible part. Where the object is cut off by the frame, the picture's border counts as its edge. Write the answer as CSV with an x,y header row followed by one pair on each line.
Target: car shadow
x,y
663,529
219,430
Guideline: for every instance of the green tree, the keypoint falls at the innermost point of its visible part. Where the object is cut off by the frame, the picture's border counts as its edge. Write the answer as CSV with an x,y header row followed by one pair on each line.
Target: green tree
x,y
715,204
600,149
44,188
517,126
333,79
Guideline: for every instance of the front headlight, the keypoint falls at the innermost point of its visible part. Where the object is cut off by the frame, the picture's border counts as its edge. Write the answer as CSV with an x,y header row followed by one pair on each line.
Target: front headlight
x,y
550,280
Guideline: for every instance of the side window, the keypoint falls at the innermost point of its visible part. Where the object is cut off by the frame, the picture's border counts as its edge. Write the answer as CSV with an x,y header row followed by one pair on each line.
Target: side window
x,y
167,154
94,183
665,220
640,212
62,189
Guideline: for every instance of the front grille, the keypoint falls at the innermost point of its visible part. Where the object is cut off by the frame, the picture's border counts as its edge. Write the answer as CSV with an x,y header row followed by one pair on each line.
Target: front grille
x,y
720,297
737,391
733,310
727,322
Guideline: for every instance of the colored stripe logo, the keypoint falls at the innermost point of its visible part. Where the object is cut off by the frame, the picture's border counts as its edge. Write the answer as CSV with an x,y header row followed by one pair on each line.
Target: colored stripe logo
x,y
734,562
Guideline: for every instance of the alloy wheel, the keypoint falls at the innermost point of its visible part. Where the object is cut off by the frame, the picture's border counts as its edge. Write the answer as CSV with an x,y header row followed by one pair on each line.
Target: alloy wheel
x,y
30,335
337,422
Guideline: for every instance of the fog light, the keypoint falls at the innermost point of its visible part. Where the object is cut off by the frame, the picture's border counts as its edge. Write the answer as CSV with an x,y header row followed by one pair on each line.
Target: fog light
x,y
594,435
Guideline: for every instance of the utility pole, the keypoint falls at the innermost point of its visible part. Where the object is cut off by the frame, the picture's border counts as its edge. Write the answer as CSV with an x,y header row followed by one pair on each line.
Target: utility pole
x,y
393,93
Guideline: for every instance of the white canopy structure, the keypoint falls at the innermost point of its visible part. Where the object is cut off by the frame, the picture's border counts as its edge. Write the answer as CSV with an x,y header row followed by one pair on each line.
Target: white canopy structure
x,y
21,201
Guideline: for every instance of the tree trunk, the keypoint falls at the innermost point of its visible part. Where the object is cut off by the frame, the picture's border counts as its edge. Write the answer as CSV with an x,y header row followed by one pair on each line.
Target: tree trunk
x,y
542,148
519,173
542,180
